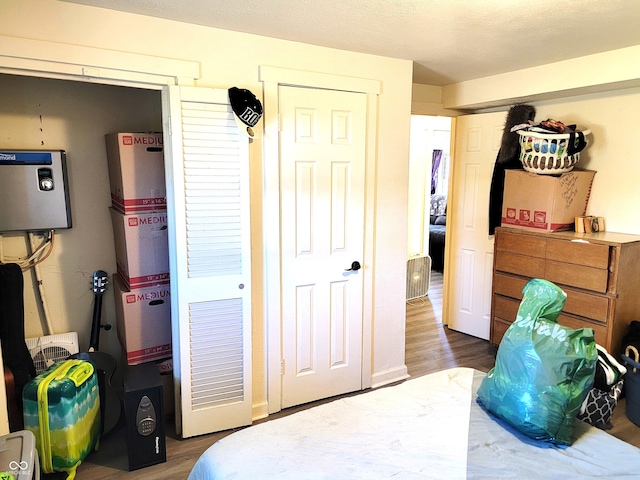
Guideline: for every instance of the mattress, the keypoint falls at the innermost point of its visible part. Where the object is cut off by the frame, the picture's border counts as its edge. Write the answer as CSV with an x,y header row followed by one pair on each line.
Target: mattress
x,y
429,427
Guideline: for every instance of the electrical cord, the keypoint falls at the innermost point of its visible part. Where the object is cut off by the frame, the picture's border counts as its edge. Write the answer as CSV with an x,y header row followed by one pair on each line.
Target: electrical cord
x,y
37,256
417,302
50,240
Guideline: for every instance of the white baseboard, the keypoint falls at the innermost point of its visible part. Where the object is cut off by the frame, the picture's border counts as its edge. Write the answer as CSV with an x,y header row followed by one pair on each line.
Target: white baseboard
x,y
389,376
260,410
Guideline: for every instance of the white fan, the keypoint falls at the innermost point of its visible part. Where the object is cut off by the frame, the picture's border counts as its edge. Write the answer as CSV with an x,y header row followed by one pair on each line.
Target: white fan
x,y
418,276
47,350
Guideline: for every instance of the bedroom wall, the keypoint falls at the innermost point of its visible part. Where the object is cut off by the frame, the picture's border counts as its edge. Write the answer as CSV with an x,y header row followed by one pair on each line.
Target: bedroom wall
x,y
226,58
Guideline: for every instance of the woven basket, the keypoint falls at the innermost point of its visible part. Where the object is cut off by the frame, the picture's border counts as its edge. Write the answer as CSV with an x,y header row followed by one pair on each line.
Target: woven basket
x,y
546,153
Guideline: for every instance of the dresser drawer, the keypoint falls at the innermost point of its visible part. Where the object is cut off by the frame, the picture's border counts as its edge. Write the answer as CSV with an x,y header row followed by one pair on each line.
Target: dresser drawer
x,y
505,308
599,331
520,264
578,253
506,311
508,285
521,244
579,276
577,264
588,305
498,329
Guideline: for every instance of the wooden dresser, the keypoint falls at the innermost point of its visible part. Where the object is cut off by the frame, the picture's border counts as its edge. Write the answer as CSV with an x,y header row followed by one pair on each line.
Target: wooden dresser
x,y
600,273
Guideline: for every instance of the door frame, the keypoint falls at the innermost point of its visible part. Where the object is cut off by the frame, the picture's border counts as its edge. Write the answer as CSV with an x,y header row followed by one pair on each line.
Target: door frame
x,y
44,59
272,78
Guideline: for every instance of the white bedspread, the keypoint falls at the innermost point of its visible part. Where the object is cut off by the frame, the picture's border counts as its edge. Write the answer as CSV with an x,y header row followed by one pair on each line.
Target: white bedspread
x,y
425,428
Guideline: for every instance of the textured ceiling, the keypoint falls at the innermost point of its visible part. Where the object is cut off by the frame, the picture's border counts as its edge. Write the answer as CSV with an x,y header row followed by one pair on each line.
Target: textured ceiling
x,y
449,41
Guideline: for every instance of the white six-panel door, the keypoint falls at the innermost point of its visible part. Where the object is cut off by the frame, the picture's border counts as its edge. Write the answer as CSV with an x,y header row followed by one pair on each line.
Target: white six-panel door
x,y
469,268
322,144
207,175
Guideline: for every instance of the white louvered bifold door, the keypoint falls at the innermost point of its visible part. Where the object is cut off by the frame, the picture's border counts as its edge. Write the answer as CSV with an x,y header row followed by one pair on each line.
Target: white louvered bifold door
x,y
207,171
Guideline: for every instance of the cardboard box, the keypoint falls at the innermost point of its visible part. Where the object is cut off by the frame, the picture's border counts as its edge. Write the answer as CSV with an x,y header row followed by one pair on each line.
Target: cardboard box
x,y
545,202
142,248
136,172
143,319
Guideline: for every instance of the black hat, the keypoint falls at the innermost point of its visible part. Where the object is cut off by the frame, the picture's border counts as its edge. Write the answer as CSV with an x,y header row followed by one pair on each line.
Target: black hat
x,y
247,109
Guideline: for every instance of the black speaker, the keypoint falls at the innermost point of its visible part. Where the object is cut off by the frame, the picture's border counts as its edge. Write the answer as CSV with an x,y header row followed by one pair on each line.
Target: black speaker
x,y
144,415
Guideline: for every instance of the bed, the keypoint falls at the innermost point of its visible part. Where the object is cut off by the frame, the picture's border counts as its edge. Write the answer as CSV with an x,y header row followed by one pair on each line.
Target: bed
x,y
427,427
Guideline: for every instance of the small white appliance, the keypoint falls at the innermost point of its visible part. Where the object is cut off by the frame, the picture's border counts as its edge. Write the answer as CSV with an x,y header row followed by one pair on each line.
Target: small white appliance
x,y
47,350
418,276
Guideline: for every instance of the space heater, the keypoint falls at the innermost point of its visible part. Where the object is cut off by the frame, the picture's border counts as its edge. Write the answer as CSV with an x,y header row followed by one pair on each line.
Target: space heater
x,y
418,276
47,350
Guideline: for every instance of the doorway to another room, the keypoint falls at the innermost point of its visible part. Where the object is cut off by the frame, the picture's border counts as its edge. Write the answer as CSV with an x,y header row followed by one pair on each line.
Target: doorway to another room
x,y
430,344
429,164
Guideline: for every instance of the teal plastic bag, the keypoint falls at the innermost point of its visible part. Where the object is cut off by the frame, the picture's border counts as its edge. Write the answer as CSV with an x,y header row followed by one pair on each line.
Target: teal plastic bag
x,y
543,370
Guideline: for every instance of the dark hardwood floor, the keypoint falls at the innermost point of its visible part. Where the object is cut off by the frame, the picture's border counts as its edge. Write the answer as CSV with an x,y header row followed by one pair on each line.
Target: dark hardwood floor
x,y
430,347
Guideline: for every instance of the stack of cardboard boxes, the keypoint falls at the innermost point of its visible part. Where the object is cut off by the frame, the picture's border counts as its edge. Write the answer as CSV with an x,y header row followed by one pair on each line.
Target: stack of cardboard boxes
x,y
139,216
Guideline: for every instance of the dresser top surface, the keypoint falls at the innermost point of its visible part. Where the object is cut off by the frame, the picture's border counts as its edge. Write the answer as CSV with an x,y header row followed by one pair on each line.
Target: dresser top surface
x,y
599,237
